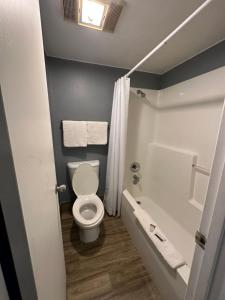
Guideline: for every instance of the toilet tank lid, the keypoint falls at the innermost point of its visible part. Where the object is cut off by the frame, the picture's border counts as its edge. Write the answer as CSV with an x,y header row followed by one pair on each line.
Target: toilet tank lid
x,y
75,164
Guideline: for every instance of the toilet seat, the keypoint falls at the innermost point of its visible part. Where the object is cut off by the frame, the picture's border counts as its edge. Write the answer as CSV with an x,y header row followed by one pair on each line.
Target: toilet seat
x,y
88,209
88,201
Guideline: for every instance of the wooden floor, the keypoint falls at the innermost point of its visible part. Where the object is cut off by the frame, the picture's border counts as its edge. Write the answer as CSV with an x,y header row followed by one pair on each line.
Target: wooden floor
x,y
109,268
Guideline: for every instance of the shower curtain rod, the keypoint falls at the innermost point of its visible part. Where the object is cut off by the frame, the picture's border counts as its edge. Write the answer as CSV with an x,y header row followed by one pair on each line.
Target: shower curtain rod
x,y
187,20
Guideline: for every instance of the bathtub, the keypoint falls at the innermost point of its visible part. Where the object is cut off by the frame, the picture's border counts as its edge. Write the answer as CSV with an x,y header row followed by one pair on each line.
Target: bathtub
x,y
171,284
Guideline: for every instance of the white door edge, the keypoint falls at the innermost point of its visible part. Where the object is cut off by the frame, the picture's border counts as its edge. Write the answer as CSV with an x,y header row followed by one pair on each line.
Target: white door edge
x,y
212,224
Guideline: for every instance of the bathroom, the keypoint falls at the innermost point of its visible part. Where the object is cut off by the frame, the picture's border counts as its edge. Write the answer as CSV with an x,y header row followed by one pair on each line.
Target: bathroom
x,y
112,150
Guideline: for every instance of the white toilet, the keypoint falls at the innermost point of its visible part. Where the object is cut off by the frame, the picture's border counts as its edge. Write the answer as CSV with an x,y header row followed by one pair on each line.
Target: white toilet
x,y
88,209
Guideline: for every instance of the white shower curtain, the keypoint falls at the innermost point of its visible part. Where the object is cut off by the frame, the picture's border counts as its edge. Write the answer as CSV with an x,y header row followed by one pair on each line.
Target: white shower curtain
x,y
117,147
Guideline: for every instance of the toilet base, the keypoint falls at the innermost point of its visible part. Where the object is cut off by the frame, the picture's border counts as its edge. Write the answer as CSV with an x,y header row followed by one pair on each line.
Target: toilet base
x,y
89,235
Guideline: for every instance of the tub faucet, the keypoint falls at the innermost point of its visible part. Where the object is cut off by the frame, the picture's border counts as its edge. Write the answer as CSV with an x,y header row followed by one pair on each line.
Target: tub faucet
x,y
136,179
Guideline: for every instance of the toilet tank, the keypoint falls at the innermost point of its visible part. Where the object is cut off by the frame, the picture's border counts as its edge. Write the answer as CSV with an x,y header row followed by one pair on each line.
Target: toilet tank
x,y
72,166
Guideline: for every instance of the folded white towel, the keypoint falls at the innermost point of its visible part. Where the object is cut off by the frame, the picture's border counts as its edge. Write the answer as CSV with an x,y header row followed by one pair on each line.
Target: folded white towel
x,y
173,258
75,133
97,133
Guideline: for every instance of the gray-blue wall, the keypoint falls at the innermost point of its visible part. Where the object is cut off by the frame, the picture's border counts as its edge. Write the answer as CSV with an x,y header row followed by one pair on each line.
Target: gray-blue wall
x,y
79,91
204,62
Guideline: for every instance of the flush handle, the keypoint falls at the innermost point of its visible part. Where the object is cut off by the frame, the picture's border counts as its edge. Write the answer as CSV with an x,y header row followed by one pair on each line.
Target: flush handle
x,y
60,188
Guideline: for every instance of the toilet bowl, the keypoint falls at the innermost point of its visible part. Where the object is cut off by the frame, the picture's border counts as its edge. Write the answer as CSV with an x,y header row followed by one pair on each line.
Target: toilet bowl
x,y
88,209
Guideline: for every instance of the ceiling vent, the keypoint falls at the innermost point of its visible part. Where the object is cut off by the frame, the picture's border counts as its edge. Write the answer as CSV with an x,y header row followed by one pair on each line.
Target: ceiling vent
x,y
96,14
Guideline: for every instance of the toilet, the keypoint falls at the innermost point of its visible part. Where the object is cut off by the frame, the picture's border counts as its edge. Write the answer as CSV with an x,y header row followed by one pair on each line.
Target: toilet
x,y
88,209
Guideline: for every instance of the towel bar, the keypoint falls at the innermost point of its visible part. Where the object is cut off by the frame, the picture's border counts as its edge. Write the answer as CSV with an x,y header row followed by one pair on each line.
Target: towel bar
x,y
201,170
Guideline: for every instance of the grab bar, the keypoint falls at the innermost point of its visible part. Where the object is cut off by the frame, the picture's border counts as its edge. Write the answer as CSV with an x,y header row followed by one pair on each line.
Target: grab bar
x,y
201,170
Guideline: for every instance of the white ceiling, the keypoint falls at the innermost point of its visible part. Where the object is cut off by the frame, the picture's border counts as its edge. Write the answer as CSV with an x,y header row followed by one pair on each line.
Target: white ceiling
x,y
142,25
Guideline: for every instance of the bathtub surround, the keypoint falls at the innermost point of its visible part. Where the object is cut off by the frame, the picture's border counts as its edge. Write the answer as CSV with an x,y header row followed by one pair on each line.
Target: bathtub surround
x,y
117,147
80,91
185,117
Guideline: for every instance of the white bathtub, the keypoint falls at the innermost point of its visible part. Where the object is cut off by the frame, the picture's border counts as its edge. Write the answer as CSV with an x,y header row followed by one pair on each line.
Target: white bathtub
x,y
171,284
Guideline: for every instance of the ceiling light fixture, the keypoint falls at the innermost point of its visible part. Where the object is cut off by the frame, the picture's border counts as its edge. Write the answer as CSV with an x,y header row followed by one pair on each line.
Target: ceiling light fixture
x,y
97,14
92,13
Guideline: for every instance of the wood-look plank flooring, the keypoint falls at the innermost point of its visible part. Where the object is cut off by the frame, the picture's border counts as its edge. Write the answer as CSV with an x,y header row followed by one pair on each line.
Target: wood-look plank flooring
x,y
109,268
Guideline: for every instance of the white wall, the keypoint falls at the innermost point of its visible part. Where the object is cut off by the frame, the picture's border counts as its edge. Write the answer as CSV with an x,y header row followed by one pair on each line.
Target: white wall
x,y
3,290
24,91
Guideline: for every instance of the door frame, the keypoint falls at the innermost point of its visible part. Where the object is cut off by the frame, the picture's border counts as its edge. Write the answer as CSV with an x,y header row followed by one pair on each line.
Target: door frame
x,y
211,226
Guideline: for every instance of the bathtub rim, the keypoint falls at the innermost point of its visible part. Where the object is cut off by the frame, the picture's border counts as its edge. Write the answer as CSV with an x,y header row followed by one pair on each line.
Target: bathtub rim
x,y
183,271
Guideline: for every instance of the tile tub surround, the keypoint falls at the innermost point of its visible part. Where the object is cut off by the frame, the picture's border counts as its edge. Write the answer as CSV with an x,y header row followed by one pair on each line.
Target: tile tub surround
x,y
109,268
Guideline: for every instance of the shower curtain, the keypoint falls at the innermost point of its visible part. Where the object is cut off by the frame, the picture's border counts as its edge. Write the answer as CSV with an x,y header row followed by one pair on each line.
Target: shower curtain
x,y
117,147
